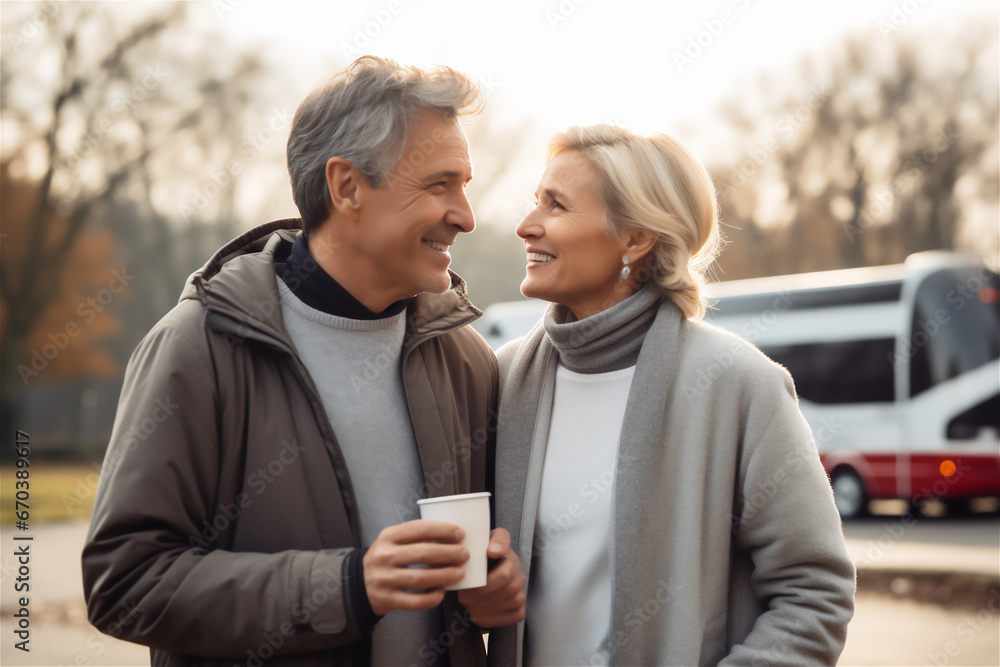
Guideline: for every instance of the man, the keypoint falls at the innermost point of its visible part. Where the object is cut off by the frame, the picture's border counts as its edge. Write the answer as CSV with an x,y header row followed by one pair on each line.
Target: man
x,y
258,497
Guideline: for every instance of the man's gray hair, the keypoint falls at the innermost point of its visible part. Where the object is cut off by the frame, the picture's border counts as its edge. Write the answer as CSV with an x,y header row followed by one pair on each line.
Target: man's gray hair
x,y
361,115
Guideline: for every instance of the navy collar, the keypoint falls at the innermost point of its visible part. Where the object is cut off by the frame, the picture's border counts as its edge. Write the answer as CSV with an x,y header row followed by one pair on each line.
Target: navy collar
x,y
316,288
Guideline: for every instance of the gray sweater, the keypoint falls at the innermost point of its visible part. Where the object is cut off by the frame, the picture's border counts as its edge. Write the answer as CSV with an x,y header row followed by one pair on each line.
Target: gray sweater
x,y
355,367
727,547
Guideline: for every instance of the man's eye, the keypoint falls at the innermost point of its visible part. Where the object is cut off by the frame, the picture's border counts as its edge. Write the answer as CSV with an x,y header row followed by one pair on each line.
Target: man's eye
x,y
556,204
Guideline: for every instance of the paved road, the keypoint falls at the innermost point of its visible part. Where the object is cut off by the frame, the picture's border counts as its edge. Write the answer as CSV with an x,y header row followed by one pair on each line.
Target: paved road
x,y
891,631
907,609
928,591
60,633
907,542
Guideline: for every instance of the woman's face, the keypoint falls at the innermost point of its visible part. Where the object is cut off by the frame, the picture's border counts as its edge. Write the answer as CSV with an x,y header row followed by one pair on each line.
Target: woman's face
x,y
571,259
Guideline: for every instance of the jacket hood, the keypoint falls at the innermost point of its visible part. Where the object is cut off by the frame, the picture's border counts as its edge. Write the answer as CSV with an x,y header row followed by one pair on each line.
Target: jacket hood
x,y
239,289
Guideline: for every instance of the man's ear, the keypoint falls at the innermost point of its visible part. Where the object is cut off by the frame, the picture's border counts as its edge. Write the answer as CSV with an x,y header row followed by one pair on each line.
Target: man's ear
x,y
638,242
342,181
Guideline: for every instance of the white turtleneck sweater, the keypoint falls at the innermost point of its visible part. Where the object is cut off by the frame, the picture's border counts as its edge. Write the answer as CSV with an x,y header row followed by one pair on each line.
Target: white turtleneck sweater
x,y
569,600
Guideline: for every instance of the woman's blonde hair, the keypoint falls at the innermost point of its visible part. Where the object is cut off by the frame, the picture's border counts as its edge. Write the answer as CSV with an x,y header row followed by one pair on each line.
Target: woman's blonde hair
x,y
654,183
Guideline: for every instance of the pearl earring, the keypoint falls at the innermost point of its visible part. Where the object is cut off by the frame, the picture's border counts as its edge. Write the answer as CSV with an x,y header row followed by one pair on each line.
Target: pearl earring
x,y
625,272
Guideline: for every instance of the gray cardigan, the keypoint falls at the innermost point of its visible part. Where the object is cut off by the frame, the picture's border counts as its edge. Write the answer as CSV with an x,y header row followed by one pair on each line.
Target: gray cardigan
x,y
728,548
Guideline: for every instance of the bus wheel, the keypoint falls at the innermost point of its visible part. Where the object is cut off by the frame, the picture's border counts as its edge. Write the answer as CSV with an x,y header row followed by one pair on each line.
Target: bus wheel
x,y
958,507
849,494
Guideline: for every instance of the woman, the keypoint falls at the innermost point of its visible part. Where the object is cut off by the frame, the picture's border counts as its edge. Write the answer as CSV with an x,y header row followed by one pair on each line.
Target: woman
x,y
663,490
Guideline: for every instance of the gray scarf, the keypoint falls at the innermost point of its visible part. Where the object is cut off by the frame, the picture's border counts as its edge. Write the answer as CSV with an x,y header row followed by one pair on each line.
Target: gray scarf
x,y
606,341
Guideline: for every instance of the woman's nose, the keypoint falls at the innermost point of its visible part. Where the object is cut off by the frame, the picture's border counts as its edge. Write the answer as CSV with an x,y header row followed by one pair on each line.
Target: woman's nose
x,y
529,226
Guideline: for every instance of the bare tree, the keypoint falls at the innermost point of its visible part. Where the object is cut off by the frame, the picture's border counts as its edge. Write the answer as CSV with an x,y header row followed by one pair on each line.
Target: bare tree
x,y
860,163
97,103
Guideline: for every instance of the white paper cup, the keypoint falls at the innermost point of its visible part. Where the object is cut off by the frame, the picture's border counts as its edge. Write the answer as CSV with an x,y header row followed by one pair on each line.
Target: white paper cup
x,y
471,513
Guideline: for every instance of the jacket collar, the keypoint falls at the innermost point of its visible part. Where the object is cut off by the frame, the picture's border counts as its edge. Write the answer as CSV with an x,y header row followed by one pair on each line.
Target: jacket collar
x,y
239,289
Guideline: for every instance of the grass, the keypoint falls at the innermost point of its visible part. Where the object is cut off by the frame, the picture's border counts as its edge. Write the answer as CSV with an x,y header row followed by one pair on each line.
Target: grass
x,y
58,491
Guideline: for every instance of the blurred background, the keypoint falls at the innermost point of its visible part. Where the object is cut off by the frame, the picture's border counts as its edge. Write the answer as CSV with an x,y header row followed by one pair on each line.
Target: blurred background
x,y
138,137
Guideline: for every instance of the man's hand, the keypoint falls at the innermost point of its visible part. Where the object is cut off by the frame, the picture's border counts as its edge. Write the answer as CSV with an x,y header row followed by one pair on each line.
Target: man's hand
x,y
392,584
501,601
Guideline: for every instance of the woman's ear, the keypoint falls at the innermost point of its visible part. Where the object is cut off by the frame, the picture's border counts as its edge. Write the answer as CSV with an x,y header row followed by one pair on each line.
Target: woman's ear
x,y
342,184
638,242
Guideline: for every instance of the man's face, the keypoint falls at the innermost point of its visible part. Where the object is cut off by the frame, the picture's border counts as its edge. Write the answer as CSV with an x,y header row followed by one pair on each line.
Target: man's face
x,y
408,223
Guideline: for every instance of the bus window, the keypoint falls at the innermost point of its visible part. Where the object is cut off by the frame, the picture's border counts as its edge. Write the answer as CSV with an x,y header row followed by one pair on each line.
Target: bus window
x,y
967,425
955,327
855,371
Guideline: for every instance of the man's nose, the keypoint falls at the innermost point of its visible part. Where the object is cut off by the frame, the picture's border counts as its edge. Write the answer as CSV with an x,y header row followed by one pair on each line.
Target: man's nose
x,y
461,215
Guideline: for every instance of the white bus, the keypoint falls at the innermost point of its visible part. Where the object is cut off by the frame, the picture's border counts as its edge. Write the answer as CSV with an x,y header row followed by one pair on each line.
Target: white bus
x,y
507,320
897,370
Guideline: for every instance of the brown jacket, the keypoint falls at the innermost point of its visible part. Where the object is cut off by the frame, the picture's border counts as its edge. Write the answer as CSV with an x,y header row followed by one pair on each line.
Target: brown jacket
x,y
225,511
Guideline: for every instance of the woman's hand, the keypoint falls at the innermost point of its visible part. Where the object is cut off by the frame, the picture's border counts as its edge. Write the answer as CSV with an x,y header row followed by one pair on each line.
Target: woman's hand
x,y
501,601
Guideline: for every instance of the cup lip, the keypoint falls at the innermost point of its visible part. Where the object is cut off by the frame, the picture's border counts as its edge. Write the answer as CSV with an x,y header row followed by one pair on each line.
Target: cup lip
x,y
460,496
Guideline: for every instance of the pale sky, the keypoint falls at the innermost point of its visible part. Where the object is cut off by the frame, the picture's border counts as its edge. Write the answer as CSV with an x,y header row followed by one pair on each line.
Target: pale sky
x,y
650,66
647,65
581,61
